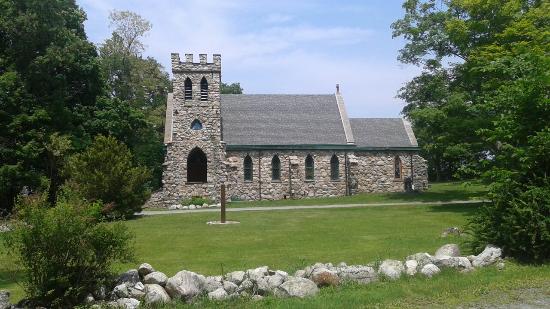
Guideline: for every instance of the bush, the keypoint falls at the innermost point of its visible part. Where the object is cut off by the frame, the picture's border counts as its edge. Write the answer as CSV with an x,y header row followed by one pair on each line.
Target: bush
x,y
64,251
105,172
518,220
196,200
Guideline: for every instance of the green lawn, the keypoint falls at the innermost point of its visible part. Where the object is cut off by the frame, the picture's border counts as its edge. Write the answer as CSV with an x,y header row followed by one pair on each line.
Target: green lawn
x,y
438,192
289,240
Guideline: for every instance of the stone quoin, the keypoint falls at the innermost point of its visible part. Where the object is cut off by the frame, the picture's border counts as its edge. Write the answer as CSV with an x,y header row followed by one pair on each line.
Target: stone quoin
x,y
268,147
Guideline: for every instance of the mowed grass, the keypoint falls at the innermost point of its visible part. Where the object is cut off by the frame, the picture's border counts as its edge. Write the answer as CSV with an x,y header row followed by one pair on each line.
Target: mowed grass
x,y
292,239
437,192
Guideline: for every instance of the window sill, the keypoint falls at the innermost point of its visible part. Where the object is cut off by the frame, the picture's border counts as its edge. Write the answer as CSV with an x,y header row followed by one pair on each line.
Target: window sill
x,y
248,181
276,181
336,180
196,182
309,180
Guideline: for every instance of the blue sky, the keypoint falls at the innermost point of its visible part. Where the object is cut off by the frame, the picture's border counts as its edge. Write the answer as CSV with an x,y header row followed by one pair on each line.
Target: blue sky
x,y
280,46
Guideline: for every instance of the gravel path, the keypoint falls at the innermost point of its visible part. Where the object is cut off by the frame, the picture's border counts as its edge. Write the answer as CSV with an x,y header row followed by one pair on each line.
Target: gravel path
x,y
270,208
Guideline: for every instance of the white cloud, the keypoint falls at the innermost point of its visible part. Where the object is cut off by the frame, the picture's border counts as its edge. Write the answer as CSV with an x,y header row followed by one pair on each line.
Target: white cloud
x,y
276,55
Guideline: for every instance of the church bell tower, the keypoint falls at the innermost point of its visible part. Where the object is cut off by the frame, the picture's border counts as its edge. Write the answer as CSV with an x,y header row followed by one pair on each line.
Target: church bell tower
x,y
195,152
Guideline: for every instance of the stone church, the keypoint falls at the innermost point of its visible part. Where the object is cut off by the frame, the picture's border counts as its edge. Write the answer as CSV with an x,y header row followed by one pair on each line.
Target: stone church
x,y
276,146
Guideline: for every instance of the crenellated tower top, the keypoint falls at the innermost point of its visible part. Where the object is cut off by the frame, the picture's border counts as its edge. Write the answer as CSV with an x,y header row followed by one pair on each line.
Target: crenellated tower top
x,y
202,66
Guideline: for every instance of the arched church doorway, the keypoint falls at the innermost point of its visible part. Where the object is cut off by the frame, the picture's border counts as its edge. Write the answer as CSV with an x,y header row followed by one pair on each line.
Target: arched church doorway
x,y
196,166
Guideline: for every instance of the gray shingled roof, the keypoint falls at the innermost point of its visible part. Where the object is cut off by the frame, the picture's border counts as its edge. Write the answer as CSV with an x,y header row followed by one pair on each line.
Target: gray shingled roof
x,y
380,132
281,119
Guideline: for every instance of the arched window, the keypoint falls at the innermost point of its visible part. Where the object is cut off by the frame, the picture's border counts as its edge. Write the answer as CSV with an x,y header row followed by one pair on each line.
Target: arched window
x,y
334,168
247,168
275,168
188,89
204,89
196,166
397,167
310,168
196,125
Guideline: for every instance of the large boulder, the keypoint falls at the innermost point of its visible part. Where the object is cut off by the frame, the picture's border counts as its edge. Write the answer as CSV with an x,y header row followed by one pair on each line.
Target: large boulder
x,y
218,294
128,303
410,267
357,273
145,269
430,270
391,269
155,294
185,285
121,291
297,287
246,286
155,277
448,250
490,255
236,277
422,258
137,291
255,274
324,277
459,262
275,280
130,278
229,287
213,283
5,299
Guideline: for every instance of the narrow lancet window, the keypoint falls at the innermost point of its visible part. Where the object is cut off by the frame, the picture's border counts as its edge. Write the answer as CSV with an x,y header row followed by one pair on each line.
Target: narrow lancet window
x,y
275,168
247,168
188,89
204,89
310,168
334,168
397,167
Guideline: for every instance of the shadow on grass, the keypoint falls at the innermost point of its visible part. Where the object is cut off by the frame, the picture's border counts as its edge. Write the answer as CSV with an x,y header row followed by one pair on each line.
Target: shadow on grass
x,y
464,209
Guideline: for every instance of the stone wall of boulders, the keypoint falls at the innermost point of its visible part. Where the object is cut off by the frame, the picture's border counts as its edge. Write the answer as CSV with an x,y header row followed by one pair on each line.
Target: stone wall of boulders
x,y
145,285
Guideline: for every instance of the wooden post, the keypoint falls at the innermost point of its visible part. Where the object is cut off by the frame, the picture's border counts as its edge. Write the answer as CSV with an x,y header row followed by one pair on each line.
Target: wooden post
x,y
222,201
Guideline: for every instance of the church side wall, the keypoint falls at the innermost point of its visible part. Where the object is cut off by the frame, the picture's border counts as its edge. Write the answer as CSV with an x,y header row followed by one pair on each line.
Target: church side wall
x,y
374,171
292,183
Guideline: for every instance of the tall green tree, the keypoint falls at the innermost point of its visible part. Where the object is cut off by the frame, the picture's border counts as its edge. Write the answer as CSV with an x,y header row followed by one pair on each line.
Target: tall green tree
x,y
133,110
233,88
50,77
484,96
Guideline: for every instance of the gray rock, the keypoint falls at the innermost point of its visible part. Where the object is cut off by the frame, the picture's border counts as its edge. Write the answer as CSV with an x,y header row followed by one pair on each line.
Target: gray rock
x,y
247,285
300,273
145,269
89,299
422,258
281,273
230,287
5,299
155,294
137,291
459,262
501,266
297,287
213,283
121,291
128,303
131,277
255,274
451,231
430,270
173,207
490,255
358,273
185,207
448,250
236,277
261,286
185,285
391,269
155,277
275,281
218,294
204,205
191,207
100,293
257,297
410,267
325,277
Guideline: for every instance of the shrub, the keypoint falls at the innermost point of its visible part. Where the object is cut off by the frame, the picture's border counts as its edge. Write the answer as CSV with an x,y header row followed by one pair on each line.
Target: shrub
x,y
196,200
105,172
518,220
64,251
